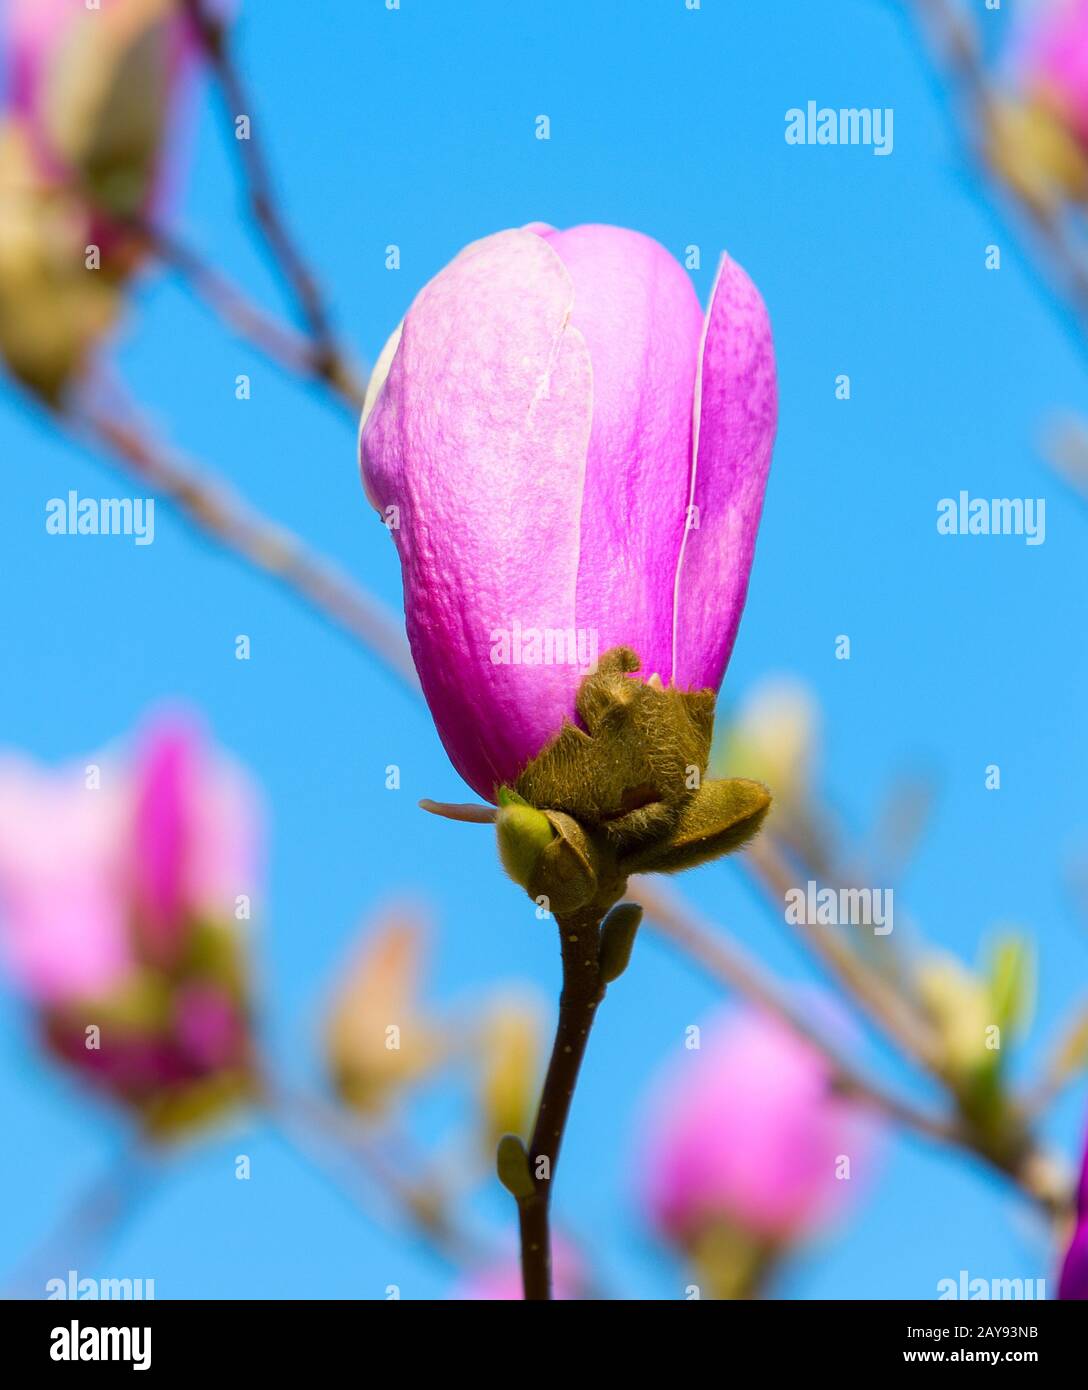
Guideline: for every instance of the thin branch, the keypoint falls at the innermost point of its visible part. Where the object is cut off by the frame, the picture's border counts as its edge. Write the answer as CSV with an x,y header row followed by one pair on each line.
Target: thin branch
x,y
773,873
329,1138
583,990
253,538
954,36
727,962
91,1220
331,361
1035,1174
285,345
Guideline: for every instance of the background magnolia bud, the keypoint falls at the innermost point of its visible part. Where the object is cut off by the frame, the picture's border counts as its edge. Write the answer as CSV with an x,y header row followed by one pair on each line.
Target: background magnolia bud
x,y
378,1039
146,994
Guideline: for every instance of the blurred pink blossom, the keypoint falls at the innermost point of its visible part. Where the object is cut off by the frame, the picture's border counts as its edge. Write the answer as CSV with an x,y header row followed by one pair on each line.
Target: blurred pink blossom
x,y
118,885
193,835
63,918
1053,60
747,1129
98,92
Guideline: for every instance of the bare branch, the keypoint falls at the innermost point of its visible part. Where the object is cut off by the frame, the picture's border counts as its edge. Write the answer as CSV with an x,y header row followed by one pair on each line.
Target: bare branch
x,y
332,363
253,538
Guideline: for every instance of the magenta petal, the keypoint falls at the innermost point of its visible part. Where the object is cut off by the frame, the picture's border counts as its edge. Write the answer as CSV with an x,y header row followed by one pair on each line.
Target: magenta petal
x,y
1074,1277
194,835
479,438
736,408
635,306
166,792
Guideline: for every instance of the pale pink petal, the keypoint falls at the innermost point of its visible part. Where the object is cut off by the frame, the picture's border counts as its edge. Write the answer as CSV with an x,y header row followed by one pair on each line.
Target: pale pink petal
x,y
63,929
479,438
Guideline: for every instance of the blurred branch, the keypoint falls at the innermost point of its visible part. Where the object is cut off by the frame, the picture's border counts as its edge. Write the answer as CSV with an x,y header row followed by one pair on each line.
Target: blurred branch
x,y
91,1220
251,537
1068,451
291,349
726,960
887,1008
954,38
331,362
330,1138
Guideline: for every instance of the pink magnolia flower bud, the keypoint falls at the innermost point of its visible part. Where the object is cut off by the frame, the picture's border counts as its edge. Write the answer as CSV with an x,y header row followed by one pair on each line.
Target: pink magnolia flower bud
x,y
1053,61
96,90
570,459
747,1130
1074,1278
118,886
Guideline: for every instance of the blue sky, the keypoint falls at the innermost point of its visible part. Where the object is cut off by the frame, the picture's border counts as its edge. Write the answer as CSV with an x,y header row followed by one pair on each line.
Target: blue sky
x,y
416,127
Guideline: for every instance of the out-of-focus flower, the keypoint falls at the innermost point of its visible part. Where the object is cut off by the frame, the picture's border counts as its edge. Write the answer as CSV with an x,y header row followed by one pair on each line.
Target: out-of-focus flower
x,y
379,1037
1053,61
975,1015
1074,1278
121,887
85,149
510,1056
53,309
570,460
96,88
1037,135
501,1283
749,1148
773,738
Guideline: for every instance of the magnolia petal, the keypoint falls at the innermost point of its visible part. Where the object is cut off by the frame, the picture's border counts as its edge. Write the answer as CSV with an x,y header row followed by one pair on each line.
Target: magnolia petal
x,y
736,408
478,438
636,308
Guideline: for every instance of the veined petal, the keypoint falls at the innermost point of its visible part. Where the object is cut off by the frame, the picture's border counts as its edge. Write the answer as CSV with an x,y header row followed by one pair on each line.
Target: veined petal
x,y
636,308
736,410
479,438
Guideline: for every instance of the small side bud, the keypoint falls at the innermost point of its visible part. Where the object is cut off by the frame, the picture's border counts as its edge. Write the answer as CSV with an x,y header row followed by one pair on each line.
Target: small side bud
x,y
617,939
512,1166
523,835
566,872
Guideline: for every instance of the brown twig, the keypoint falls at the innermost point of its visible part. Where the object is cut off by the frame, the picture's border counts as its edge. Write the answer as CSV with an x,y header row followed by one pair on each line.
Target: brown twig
x,y
285,345
253,538
583,990
330,361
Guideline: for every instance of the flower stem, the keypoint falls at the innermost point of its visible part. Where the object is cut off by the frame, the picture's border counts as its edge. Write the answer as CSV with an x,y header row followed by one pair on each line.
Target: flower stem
x,y
583,990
